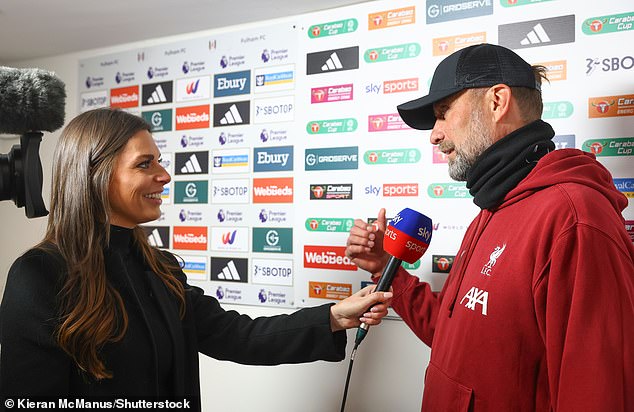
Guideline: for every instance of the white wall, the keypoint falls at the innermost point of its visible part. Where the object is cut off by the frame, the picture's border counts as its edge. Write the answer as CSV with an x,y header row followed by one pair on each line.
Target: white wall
x,y
389,367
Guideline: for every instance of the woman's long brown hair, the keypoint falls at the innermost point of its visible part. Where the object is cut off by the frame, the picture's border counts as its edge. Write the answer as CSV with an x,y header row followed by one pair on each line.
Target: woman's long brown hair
x,y
91,311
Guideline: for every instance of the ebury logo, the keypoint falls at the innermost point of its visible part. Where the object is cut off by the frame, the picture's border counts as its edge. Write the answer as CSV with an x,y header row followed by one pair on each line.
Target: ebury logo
x,y
192,163
328,224
332,126
513,3
231,84
275,78
188,192
160,120
557,70
392,156
446,10
157,93
329,94
564,141
332,60
190,238
231,161
401,85
229,269
608,24
611,106
192,117
442,263
400,189
608,64
328,290
386,122
158,236
625,186
233,239
93,100
332,28
273,159
448,191
125,97
272,240
273,190
232,113
326,191
535,33
327,257
493,258
391,53
193,88
443,46
610,147
392,18
557,110
332,158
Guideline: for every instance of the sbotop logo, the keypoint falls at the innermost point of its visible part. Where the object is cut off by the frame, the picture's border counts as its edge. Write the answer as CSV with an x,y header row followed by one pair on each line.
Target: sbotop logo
x,y
230,191
157,93
610,147
189,192
272,240
235,239
329,94
229,269
192,117
327,257
392,18
193,88
332,158
274,109
329,290
232,84
443,46
386,122
273,159
611,106
272,272
231,161
391,53
273,190
192,163
332,28
329,126
332,60
274,78
160,120
93,100
124,97
608,24
327,191
608,64
190,237
232,113
446,10
536,33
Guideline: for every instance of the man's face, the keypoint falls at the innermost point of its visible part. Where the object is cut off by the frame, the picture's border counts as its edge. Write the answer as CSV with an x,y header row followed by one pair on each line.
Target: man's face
x,y
461,131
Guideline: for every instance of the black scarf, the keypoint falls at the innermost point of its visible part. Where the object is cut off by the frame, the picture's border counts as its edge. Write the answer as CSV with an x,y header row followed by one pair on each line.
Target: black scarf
x,y
506,162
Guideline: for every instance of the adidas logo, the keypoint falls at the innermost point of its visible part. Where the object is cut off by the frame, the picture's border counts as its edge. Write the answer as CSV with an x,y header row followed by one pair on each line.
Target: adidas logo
x,y
333,63
192,165
158,96
154,239
232,116
536,36
229,272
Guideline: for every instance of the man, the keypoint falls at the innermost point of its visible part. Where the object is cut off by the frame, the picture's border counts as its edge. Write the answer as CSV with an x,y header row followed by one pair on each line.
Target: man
x,y
537,313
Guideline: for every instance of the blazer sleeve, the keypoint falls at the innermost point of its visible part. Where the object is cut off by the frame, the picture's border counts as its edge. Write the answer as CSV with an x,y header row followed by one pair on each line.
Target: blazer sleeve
x,y
31,362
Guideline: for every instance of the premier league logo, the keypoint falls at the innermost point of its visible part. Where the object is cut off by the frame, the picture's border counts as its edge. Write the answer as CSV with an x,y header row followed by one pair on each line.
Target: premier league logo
x,y
222,138
185,67
150,73
265,56
224,62
182,216
262,296
264,135
263,216
220,293
88,82
117,77
221,215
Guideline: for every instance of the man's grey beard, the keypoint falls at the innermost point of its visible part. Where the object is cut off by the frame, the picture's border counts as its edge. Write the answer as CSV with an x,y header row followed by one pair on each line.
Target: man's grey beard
x,y
479,139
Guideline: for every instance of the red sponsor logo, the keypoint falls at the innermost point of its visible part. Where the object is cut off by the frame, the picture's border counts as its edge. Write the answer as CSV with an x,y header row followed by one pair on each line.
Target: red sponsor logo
x,y
125,97
401,85
192,117
400,189
273,190
327,257
190,238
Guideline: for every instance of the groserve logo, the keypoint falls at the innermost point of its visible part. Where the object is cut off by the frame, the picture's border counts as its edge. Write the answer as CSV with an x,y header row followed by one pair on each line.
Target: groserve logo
x,y
445,10
332,158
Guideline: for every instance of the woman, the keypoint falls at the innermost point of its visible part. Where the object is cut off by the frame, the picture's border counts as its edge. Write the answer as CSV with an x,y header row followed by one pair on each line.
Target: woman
x,y
93,310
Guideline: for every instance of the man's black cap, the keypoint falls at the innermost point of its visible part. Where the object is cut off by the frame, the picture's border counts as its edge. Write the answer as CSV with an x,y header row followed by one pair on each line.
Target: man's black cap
x,y
482,65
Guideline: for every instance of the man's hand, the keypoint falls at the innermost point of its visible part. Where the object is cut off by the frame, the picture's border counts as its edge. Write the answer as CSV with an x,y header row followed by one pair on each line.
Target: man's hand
x,y
365,245
357,309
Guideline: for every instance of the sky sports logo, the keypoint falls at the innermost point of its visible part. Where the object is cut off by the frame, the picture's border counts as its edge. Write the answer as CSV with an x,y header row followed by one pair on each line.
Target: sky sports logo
x,y
232,84
536,33
332,60
445,10
332,158
273,159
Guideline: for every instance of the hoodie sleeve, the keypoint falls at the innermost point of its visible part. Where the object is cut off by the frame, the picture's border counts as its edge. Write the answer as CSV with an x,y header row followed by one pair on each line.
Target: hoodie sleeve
x,y
584,302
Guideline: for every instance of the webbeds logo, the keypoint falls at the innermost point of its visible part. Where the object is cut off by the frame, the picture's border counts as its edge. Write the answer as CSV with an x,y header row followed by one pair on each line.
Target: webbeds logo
x,y
124,97
536,33
273,190
192,117
190,237
327,257
557,70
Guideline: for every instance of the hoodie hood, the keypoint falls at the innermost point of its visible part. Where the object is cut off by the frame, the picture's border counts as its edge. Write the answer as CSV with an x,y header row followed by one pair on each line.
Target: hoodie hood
x,y
568,166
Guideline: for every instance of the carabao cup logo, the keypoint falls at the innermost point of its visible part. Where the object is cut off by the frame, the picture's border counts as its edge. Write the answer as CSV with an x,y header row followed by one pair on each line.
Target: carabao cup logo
x,y
408,235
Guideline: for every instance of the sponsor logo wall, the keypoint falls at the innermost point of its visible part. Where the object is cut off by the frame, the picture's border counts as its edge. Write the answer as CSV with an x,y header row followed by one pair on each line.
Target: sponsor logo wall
x,y
279,136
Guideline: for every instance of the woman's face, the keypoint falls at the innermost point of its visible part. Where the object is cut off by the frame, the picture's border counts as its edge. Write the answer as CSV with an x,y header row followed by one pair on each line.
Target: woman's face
x,y
137,182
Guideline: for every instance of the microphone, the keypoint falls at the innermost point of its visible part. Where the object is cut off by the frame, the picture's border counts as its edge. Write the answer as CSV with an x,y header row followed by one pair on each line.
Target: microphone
x,y
406,239
31,101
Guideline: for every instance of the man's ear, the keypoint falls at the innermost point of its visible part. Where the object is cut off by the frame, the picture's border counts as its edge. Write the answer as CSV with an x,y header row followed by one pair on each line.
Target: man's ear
x,y
498,101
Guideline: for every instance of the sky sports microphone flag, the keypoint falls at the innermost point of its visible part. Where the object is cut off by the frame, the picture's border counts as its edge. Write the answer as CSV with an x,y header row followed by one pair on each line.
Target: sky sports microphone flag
x,y
408,235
